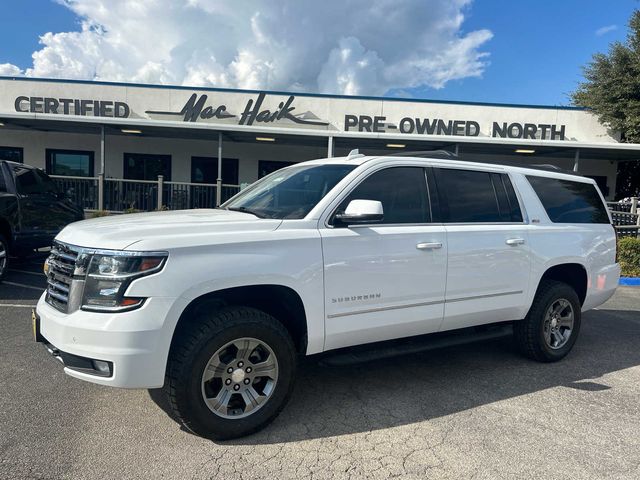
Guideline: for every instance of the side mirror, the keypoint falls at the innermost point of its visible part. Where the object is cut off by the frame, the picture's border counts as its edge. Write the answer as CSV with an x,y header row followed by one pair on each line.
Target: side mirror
x,y
361,211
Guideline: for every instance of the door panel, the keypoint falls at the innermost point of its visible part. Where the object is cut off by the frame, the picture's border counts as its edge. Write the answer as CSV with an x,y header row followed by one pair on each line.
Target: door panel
x,y
488,274
385,280
489,255
379,285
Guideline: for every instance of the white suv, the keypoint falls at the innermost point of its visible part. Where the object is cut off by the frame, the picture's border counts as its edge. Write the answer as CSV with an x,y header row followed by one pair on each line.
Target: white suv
x,y
216,305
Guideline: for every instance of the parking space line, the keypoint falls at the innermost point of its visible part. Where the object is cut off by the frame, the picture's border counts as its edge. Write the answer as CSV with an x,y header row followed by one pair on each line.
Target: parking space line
x,y
15,284
40,274
16,305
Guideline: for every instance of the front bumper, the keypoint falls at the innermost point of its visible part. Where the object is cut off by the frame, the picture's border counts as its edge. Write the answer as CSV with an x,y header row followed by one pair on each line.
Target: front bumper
x,y
134,344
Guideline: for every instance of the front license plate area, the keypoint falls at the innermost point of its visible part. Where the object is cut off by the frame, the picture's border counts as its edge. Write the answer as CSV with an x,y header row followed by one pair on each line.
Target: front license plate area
x,y
35,327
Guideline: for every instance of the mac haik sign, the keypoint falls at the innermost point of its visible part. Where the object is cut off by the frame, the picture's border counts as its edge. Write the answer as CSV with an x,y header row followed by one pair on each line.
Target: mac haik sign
x,y
313,112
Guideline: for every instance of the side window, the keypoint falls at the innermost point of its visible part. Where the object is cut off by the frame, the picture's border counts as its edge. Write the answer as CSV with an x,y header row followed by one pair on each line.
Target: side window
x,y
468,196
569,202
507,200
402,192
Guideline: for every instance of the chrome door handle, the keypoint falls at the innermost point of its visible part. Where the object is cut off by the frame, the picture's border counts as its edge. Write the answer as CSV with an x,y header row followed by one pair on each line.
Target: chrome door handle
x,y
429,245
515,241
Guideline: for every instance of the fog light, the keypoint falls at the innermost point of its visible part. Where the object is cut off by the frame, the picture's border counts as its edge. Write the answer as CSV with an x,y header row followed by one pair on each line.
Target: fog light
x,y
102,367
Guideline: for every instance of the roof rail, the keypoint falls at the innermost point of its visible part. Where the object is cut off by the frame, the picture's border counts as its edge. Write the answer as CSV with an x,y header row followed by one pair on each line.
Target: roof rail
x,y
442,154
552,168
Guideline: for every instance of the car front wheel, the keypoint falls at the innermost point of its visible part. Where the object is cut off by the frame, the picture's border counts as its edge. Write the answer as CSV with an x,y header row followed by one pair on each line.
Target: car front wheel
x,y
231,374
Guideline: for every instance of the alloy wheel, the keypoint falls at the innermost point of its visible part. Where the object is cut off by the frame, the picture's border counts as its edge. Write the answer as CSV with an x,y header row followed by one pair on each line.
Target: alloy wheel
x,y
558,323
3,257
239,378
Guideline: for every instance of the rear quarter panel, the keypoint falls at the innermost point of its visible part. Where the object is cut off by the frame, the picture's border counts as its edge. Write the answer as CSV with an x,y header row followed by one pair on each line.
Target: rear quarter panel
x,y
591,245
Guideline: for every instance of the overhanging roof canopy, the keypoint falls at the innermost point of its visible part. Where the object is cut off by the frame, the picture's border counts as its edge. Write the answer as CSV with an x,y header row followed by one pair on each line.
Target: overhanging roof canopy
x,y
291,136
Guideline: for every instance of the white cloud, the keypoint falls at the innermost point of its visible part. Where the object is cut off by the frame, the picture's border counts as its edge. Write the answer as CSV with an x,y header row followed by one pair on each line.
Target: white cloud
x,y
606,29
8,70
335,46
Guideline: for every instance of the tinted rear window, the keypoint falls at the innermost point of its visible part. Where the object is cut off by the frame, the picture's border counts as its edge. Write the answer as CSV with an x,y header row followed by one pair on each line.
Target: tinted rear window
x,y
470,196
569,202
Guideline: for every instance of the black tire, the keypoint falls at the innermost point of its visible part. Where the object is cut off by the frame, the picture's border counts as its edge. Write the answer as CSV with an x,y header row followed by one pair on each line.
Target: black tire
x,y
193,350
529,333
4,260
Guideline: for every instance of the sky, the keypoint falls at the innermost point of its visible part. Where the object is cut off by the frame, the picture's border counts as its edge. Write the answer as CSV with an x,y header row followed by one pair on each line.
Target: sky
x,y
466,50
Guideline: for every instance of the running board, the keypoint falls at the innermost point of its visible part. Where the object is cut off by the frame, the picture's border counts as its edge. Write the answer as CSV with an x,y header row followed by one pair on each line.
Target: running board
x,y
407,346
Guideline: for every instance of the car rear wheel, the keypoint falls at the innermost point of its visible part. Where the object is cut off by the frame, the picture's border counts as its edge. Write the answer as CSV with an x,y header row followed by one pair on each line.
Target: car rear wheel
x,y
231,374
4,257
550,329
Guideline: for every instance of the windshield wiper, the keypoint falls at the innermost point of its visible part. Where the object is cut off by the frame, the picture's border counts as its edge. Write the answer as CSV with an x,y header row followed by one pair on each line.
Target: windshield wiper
x,y
245,210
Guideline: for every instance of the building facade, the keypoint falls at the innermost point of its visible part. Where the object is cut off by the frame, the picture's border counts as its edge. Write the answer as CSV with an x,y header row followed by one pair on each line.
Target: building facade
x,y
137,132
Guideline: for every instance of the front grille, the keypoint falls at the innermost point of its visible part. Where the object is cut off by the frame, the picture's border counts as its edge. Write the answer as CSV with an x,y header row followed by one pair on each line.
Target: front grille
x,y
62,263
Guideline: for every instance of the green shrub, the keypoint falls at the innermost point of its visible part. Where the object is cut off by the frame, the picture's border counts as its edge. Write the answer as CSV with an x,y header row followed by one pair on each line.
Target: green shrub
x,y
100,213
629,256
132,210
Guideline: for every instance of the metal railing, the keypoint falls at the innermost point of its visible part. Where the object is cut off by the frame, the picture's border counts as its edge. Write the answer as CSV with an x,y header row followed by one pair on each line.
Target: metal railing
x,y
120,195
626,217
82,191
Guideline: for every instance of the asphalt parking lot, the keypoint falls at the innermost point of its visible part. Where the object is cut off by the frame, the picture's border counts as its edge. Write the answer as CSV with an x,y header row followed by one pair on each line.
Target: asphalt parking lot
x,y
477,411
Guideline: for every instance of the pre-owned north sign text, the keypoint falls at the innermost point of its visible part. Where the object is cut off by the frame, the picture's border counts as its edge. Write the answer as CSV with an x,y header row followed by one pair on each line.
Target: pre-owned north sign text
x,y
466,128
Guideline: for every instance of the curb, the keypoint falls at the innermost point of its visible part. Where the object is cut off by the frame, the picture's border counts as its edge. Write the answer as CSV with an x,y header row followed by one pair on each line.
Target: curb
x,y
630,281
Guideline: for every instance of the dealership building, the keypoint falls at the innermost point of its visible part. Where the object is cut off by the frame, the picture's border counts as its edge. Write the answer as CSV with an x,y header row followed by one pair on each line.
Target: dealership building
x,y
223,139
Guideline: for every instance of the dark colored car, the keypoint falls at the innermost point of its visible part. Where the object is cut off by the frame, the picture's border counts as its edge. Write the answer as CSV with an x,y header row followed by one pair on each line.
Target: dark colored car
x,y
32,211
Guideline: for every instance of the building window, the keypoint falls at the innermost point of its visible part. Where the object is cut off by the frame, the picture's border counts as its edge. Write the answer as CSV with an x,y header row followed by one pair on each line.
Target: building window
x,y
205,170
74,163
142,166
265,167
12,154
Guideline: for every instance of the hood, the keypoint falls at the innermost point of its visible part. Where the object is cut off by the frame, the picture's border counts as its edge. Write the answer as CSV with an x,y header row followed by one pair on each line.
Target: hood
x,y
161,230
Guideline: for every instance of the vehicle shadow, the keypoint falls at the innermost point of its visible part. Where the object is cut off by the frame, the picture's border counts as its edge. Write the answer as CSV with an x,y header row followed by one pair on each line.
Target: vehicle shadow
x,y
332,401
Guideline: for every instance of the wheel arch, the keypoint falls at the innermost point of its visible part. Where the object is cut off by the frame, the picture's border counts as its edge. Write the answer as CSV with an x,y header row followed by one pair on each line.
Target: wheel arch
x,y
280,301
573,274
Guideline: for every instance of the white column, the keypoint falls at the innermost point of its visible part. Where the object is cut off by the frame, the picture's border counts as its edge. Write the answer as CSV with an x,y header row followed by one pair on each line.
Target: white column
x,y
219,179
330,147
102,159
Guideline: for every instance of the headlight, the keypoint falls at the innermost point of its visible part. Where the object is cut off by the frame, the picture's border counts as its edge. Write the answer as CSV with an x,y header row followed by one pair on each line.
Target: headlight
x,y
109,276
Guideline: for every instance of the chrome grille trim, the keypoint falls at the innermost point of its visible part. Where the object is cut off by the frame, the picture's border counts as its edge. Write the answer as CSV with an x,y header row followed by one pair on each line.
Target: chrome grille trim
x,y
62,264
58,286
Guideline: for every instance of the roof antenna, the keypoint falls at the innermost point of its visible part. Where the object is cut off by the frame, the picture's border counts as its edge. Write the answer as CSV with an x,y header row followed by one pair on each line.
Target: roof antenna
x,y
355,153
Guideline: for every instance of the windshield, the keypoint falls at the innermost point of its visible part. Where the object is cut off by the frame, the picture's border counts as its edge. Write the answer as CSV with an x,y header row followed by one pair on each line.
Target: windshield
x,y
289,193
32,181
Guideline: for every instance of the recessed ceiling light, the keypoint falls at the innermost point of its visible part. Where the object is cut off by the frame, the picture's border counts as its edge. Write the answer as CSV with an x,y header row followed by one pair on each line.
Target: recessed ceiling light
x,y
525,150
128,130
265,139
396,145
